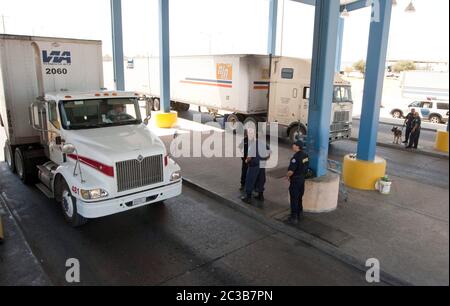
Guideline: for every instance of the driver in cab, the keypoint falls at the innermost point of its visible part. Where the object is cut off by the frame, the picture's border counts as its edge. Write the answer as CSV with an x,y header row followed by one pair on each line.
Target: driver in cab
x,y
118,113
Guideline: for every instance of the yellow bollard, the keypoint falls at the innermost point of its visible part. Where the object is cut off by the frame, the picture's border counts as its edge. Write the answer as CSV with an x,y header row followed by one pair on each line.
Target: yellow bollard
x,y
363,175
442,141
165,120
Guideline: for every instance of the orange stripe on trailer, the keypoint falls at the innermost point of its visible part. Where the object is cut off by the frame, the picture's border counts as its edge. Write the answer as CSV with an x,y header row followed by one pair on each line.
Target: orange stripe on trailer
x,y
207,84
261,87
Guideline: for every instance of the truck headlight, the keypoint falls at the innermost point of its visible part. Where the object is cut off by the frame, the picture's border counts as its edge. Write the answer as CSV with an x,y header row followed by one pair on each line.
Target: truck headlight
x,y
93,194
175,176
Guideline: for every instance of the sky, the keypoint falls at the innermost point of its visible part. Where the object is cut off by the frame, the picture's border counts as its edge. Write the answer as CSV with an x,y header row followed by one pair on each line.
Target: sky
x,y
228,26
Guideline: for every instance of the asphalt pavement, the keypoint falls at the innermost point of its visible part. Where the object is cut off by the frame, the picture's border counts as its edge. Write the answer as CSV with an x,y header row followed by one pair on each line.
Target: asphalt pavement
x,y
191,240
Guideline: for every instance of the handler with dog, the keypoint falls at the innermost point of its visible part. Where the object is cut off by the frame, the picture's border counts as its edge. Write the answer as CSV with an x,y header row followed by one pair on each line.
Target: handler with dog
x,y
409,120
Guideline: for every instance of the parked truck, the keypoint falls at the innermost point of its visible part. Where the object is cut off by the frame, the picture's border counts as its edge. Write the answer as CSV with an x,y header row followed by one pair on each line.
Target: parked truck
x,y
86,147
252,88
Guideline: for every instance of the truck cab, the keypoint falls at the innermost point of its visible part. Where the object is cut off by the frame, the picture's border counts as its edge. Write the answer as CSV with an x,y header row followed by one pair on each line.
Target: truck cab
x,y
88,148
101,158
289,100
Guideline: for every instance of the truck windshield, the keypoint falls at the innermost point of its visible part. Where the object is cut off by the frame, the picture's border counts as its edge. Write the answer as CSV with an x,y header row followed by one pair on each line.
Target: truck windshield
x,y
343,94
90,114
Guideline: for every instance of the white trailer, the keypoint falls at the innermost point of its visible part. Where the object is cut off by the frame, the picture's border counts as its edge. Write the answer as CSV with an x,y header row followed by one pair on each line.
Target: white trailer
x,y
85,147
251,87
425,84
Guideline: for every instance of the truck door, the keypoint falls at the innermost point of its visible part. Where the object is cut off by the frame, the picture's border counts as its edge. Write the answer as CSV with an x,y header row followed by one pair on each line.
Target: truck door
x,y
54,129
286,107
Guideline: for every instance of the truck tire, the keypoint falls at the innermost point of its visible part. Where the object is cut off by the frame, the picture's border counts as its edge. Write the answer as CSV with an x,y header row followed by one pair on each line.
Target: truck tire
x,y
9,157
156,104
25,168
251,122
233,120
149,107
26,162
182,107
69,207
296,133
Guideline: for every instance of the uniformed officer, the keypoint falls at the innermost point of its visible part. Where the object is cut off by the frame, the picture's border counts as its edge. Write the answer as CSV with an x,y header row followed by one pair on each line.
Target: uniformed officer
x,y
261,180
244,169
409,124
298,168
253,162
415,133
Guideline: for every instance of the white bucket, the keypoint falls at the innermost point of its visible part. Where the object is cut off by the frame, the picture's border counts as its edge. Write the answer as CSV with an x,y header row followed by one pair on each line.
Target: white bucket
x,y
384,187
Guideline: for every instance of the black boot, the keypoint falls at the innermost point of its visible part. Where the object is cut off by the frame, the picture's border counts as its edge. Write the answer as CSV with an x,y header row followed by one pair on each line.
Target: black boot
x,y
260,197
247,199
293,220
242,187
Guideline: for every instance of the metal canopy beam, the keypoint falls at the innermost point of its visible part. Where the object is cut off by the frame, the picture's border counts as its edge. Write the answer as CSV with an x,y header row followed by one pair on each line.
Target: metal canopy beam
x,y
351,6
340,44
164,54
117,40
273,22
322,80
373,85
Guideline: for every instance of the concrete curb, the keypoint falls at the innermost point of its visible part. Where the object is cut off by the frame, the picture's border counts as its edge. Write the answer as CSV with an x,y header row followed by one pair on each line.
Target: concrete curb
x,y
400,148
296,234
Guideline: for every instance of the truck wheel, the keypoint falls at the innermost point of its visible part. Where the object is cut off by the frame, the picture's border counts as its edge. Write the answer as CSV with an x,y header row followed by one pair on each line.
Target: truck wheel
x,y
156,104
296,134
9,158
182,107
69,207
233,122
21,166
26,165
148,107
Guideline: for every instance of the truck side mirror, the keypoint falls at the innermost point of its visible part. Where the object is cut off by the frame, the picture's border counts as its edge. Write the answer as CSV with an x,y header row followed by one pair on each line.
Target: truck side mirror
x,y
58,140
68,149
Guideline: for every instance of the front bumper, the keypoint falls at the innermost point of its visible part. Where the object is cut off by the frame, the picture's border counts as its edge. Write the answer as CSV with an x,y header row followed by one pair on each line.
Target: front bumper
x,y
100,209
340,135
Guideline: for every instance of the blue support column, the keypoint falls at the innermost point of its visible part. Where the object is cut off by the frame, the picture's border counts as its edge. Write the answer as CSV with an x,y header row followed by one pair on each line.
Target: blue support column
x,y
164,54
322,80
117,40
373,86
273,22
340,44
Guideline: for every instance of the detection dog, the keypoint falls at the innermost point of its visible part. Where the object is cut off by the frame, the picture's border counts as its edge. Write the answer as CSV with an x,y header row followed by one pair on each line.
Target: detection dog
x,y
397,134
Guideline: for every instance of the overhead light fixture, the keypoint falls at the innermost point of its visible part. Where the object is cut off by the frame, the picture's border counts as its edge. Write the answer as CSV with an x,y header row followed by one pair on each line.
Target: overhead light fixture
x,y
410,8
345,13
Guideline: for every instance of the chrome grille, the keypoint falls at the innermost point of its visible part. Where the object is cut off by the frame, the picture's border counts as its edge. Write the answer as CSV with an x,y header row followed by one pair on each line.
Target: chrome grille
x,y
341,116
132,174
339,126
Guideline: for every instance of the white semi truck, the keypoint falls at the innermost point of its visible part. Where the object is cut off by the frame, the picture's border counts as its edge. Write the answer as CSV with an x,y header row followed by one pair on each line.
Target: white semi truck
x,y
85,147
252,87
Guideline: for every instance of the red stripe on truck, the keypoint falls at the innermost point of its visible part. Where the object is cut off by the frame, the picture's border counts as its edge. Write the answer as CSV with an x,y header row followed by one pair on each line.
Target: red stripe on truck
x,y
105,169
207,84
261,87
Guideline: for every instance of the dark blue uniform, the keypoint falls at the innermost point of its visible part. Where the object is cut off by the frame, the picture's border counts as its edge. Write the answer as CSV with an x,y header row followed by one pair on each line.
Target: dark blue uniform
x,y
256,176
244,170
299,166
415,136
409,126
